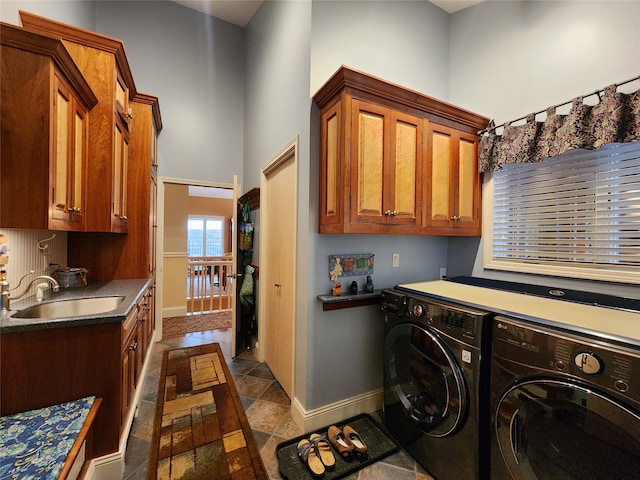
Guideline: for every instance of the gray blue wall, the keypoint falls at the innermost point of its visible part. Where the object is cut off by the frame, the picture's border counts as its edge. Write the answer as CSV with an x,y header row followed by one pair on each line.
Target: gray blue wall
x,y
508,59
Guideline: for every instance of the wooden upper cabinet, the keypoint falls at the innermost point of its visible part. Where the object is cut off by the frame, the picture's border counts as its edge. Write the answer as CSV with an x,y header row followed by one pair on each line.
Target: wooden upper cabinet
x,y
454,192
44,117
103,63
378,170
386,187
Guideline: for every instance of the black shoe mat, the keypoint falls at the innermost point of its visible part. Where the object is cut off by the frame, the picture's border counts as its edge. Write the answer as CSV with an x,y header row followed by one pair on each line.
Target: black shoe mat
x,y
379,445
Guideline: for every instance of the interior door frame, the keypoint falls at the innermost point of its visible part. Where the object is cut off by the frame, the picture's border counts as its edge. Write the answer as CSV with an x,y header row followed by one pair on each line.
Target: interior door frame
x,y
290,150
162,181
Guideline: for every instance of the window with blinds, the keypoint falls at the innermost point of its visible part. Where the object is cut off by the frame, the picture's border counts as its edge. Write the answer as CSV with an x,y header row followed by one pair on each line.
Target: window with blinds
x,y
576,215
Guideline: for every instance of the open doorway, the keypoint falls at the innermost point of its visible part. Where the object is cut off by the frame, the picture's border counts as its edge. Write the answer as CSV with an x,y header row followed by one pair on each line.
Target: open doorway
x,y
196,238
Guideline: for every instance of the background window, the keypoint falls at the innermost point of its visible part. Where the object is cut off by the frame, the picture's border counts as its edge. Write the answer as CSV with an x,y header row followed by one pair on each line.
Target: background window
x,y
205,236
576,215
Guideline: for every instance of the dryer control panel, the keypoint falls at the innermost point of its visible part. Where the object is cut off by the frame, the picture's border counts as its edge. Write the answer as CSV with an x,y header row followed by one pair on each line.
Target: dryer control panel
x,y
611,367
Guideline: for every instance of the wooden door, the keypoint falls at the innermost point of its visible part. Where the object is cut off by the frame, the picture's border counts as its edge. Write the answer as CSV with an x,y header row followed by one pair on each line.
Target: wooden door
x,y
236,277
279,269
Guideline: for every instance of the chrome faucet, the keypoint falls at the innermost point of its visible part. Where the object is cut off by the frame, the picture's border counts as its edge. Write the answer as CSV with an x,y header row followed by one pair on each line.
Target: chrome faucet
x,y
5,291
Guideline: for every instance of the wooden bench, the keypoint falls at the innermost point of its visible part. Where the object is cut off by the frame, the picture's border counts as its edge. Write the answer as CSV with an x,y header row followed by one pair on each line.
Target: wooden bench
x,y
49,443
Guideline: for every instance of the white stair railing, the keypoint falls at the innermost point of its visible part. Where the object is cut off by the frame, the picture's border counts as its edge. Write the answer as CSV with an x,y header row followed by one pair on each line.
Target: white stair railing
x,y
209,286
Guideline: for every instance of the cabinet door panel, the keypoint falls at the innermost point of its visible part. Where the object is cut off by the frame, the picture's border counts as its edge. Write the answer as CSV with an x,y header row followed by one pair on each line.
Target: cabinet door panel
x,y
120,170
79,165
61,162
406,174
466,179
370,163
441,156
332,183
454,191
469,194
68,166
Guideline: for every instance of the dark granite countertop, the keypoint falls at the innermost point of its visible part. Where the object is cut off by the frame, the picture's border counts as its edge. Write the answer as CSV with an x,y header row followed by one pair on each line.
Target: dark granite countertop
x,y
131,290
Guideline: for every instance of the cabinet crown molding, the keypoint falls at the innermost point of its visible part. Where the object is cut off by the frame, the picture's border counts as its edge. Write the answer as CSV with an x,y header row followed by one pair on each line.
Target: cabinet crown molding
x,y
152,100
346,77
16,37
51,28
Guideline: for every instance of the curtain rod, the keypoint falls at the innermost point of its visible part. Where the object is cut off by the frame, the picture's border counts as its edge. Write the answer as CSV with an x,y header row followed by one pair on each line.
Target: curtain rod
x,y
597,92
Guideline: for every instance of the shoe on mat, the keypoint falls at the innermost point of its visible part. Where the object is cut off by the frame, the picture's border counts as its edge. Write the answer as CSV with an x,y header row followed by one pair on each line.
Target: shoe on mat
x,y
359,447
309,456
324,449
341,443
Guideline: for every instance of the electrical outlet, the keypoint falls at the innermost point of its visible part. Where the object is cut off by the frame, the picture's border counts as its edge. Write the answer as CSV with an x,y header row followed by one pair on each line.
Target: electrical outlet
x,y
443,272
395,260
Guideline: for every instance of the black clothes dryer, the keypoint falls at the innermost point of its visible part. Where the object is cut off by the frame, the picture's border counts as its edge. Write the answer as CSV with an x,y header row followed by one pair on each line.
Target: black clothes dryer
x,y
436,383
565,406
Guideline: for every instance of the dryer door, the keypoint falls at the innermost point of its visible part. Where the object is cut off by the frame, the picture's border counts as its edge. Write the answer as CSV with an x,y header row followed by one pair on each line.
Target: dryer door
x,y
423,382
551,429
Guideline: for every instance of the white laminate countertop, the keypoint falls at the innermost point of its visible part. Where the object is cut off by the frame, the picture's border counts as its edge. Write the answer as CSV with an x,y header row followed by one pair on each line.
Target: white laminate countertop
x,y
615,324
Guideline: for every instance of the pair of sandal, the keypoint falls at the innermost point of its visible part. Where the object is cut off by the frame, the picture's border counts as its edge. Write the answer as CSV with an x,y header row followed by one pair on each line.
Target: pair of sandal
x,y
347,442
316,454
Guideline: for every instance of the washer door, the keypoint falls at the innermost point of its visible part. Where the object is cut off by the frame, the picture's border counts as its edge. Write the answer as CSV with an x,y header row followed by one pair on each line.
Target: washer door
x,y
550,429
424,380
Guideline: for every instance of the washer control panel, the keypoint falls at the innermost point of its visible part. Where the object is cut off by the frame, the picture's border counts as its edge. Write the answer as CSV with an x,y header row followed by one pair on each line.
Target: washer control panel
x,y
457,321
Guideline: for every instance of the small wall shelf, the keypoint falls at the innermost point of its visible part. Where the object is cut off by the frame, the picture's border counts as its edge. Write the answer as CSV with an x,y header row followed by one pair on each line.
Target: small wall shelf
x,y
331,302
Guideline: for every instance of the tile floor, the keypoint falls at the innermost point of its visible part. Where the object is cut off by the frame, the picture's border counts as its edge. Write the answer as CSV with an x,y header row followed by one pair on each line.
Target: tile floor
x,y
267,408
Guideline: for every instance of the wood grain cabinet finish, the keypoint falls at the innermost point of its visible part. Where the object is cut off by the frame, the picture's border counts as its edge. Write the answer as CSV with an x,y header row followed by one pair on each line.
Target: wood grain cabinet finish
x,y
44,118
386,169
104,65
111,257
454,190
382,162
137,333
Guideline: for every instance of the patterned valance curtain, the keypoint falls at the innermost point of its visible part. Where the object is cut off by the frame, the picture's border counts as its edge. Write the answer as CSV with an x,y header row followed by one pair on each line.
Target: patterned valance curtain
x,y
615,118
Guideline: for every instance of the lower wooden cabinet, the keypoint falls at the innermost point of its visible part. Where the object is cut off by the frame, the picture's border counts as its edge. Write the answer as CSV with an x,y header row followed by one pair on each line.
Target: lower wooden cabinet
x,y
46,367
137,333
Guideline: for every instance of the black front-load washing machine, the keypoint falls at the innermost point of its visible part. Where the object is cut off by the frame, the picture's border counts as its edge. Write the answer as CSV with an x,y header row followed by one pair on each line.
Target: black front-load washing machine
x,y
436,383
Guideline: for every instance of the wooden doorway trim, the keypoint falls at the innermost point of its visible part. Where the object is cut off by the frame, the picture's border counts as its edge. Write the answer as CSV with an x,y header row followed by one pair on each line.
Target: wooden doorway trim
x,y
160,248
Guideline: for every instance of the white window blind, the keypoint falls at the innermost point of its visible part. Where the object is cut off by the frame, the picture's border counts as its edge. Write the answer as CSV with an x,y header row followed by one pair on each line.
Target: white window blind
x,y
579,211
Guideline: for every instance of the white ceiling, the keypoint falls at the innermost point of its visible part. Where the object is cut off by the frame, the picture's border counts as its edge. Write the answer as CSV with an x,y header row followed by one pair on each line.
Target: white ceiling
x,y
240,12
452,6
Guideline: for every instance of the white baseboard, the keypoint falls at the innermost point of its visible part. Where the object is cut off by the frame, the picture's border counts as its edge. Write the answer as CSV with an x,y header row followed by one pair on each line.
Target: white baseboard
x,y
107,467
174,312
336,412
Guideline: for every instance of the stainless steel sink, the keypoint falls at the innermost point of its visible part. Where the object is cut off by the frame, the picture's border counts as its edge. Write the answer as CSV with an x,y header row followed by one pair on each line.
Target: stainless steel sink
x,y
71,308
